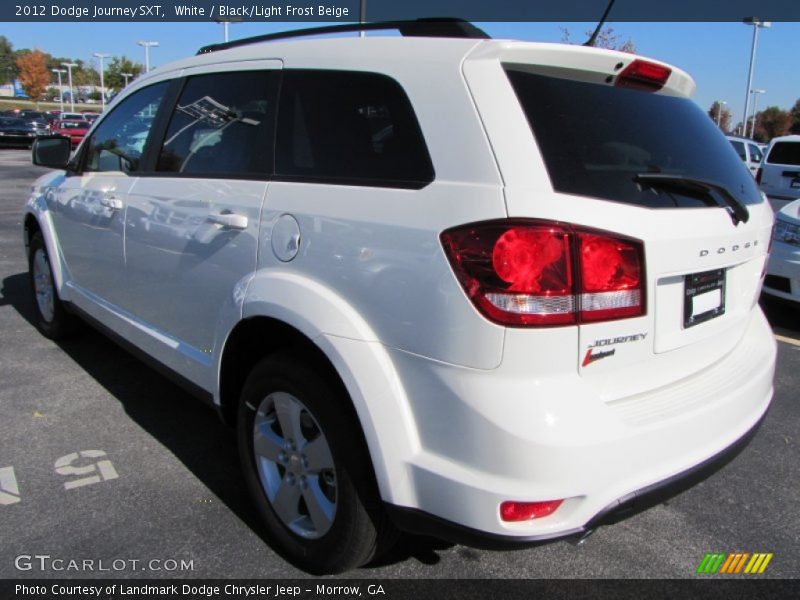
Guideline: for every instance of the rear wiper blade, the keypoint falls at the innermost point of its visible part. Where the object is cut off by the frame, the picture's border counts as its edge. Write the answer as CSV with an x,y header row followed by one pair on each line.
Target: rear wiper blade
x,y
737,211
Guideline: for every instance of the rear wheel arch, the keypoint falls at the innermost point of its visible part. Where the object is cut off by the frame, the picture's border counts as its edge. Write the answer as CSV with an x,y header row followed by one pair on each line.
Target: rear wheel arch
x,y
255,338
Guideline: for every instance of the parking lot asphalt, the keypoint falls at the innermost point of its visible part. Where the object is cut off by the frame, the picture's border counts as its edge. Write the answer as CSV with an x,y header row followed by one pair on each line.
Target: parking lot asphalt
x,y
165,483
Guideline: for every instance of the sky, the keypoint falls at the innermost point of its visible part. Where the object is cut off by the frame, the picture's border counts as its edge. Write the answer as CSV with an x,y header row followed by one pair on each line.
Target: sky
x,y
716,55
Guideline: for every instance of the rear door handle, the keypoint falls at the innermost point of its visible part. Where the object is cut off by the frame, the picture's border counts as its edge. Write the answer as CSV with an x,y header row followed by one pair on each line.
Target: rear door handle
x,y
111,202
229,220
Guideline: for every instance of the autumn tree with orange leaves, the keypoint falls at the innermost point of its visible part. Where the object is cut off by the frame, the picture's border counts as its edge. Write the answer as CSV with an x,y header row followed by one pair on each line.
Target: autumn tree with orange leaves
x,y
33,74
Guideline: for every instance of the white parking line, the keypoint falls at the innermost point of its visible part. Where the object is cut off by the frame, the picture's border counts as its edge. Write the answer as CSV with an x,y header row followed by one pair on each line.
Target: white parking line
x,y
787,340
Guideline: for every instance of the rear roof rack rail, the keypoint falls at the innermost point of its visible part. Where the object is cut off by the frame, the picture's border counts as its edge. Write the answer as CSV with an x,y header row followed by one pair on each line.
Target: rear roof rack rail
x,y
430,27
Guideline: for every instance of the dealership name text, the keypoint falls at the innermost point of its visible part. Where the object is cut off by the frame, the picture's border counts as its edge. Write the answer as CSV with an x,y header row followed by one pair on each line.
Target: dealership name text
x,y
192,591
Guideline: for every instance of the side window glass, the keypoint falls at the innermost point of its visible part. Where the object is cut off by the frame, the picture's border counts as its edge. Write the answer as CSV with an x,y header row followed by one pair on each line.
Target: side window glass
x,y
755,153
739,147
119,140
351,128
222,125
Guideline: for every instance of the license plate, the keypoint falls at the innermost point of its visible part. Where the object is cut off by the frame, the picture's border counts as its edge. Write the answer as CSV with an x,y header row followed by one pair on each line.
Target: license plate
x,y
796,183
703,297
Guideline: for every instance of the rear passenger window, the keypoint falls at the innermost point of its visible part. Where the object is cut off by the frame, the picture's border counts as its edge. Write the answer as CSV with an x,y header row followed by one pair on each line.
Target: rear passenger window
x,y
222,126
118,142
349,128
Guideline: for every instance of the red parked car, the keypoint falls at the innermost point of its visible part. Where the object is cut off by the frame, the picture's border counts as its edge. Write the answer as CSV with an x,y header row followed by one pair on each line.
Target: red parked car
x,y
73,129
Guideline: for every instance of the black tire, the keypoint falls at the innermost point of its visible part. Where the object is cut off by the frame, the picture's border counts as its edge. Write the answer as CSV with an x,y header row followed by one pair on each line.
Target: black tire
x,y
360,528
57,324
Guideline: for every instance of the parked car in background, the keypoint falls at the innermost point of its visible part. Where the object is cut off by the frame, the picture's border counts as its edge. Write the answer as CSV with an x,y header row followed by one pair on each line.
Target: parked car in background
x,y
52,116
18,132
90,116
749,151
783,270
779,175
74,129
72,116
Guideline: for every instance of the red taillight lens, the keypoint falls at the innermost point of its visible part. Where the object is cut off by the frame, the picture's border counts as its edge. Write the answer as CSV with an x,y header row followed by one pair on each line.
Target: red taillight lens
x,y
523,272
611,277
758,176
525,511
516,274
643,75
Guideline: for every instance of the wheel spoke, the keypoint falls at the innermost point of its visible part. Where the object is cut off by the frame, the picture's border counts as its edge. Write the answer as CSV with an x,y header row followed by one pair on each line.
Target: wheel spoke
x,y
288,410
266,443
318,454
285,503
320,509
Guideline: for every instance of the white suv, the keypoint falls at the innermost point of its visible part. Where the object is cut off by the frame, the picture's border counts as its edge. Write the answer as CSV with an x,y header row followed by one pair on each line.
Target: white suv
x,y
480,289
779,175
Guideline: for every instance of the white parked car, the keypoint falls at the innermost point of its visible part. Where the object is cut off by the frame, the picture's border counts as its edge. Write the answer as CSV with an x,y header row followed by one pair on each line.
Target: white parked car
x,y
478,289
783,270
779,175
749,151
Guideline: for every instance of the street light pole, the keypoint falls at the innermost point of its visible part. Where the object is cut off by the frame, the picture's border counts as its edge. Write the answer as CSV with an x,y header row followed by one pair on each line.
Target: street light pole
x,y
126,75
102,56
147,46
71,92
226,23
720,103
60,88
755,109
756,23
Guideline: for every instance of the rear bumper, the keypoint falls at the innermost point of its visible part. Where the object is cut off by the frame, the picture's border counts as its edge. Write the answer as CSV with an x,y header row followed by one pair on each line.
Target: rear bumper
x,y
421,523
486,437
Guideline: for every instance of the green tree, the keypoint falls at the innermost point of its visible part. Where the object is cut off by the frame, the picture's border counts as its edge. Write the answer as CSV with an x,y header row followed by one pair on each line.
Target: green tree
x,y
724,115
771,123
116,67
8,63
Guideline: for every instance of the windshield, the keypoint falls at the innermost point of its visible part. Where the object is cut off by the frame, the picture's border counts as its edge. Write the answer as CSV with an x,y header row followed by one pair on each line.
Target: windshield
x,y
596,138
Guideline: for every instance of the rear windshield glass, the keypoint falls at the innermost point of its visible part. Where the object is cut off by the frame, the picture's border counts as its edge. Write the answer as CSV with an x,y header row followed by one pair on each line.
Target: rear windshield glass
x,y
785,153
596,138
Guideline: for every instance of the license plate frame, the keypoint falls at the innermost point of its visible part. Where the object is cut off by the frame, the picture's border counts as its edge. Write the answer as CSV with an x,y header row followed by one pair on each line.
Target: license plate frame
x,y
700,293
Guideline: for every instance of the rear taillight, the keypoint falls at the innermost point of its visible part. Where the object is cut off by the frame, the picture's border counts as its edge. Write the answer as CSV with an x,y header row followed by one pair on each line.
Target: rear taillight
x,y
643,75
522,273
758,176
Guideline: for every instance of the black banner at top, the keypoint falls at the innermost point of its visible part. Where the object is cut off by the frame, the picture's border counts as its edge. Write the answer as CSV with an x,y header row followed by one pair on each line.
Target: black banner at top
x,y
390,10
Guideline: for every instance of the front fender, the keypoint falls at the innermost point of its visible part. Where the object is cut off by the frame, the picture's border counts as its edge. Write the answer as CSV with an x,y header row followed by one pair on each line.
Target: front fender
x,y
37,207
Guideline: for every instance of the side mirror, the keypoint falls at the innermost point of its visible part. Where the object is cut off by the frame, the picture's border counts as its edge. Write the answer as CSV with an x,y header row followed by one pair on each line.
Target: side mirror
x,y
52,152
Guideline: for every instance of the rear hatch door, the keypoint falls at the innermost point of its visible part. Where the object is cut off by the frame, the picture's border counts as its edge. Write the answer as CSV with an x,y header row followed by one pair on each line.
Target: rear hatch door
x,y
576,144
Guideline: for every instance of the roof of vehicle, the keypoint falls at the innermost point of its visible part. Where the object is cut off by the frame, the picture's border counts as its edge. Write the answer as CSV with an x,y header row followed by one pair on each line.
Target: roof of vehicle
x,y
739,138
785,138
392,53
